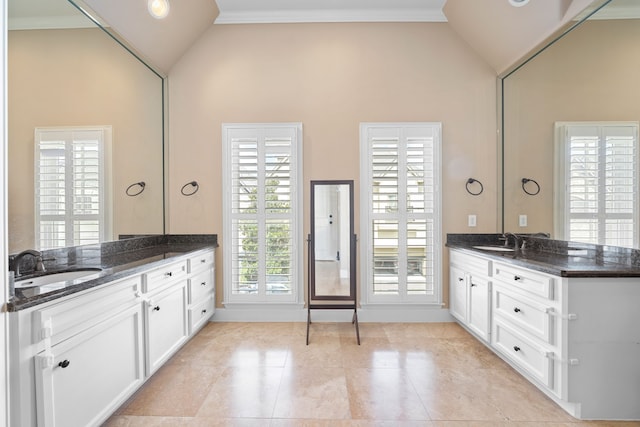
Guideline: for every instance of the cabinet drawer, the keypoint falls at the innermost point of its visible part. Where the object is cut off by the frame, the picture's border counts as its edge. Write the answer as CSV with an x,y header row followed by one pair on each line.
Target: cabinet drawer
x,y
533,358
200,314
161,276
527,314
470,263
62,320
200,285
201,261
527,280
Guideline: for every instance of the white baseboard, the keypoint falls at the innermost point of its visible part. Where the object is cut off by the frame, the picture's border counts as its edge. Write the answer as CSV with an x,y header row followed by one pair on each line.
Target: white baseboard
x,y
369,314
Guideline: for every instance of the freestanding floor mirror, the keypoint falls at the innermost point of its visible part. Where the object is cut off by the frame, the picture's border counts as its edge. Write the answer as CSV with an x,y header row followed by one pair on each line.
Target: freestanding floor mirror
x,y
332,250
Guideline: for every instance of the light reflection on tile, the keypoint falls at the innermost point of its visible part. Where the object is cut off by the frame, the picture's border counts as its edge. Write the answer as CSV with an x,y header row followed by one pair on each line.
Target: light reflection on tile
x,y
402,375
313,392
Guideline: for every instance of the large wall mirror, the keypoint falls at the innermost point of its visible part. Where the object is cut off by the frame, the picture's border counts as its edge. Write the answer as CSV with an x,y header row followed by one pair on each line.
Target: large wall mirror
x,y
332,248
590,74
69,73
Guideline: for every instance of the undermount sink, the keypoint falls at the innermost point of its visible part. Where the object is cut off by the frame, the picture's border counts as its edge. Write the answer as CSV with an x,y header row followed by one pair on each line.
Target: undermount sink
x,y
58,279
494,248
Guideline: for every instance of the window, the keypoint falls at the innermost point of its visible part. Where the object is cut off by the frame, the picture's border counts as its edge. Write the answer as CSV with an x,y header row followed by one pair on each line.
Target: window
x,y
596,182
262,177
400,220
71,186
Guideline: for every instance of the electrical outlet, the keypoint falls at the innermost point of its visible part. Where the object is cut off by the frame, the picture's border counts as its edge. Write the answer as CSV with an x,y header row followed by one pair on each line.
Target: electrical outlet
x,y
471,220
522,221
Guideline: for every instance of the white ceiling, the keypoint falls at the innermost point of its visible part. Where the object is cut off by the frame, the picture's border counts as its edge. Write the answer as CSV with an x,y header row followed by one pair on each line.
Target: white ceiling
x,y
282,11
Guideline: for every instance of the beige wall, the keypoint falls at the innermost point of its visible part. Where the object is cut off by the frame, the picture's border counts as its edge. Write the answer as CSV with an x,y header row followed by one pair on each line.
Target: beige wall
x,y
589,75
331,77
83,78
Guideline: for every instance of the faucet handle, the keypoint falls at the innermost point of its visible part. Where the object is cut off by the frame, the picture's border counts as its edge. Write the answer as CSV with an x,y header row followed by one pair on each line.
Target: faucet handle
x,y
39,264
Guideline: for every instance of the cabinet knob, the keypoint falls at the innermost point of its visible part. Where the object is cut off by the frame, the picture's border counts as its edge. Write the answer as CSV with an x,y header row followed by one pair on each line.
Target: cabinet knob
x,y
203,261
516,348
168,274
64,363
203,284
516,309
517,278
473,284
156,308
204,311
460,279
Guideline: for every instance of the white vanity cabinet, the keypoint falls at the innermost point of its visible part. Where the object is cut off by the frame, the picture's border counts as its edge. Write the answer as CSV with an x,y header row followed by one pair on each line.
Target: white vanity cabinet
x,y
74,360
577,339
165,312
89,355
201,268
470,291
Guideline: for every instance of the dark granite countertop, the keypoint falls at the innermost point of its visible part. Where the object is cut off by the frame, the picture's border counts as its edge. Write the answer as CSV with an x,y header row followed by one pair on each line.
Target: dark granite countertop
x,y
556,257
117,260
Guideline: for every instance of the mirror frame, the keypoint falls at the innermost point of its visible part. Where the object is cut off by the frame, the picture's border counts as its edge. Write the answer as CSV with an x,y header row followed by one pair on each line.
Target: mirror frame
x,y
352,246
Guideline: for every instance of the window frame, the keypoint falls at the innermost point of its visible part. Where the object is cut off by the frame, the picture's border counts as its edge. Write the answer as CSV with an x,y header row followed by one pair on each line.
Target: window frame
x,y
105,216
561,177
434,129
296,163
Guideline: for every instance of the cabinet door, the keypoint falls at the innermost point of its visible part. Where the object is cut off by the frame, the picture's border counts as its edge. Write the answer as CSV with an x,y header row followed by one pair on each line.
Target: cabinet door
x,y
479,306
82,380
166,324
458,291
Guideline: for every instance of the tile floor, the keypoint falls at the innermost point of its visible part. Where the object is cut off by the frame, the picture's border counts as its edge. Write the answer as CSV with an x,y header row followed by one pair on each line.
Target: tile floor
x,y
263,374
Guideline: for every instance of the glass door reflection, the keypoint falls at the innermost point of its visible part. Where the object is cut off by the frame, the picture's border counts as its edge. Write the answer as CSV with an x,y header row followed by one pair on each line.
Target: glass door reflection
x,y
332,256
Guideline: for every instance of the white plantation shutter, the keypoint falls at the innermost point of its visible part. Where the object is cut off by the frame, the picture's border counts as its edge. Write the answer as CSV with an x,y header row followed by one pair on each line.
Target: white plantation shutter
x,y
400,187
262,173
70,186
596,182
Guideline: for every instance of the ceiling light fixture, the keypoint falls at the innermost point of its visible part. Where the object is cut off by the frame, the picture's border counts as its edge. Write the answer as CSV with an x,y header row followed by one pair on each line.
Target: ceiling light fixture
x,y
518,3
158,8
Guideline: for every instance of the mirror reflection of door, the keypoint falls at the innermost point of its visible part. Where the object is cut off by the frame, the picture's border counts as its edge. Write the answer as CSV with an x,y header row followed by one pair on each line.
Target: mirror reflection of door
x,y
332,243
327,223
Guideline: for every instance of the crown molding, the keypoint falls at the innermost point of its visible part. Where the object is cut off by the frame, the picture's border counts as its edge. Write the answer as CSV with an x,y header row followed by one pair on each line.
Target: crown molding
x,y
308,16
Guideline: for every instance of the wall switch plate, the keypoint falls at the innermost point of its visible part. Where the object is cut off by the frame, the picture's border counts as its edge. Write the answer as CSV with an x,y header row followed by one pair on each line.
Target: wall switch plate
x,y
522,221
471,220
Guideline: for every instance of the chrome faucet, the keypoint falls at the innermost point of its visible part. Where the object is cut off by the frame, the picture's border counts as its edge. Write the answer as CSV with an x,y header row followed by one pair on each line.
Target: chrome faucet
x,y
38,258
516,239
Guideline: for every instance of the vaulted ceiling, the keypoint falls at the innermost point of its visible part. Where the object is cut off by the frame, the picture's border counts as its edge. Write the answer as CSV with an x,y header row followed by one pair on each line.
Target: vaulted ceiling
x,y
499,32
